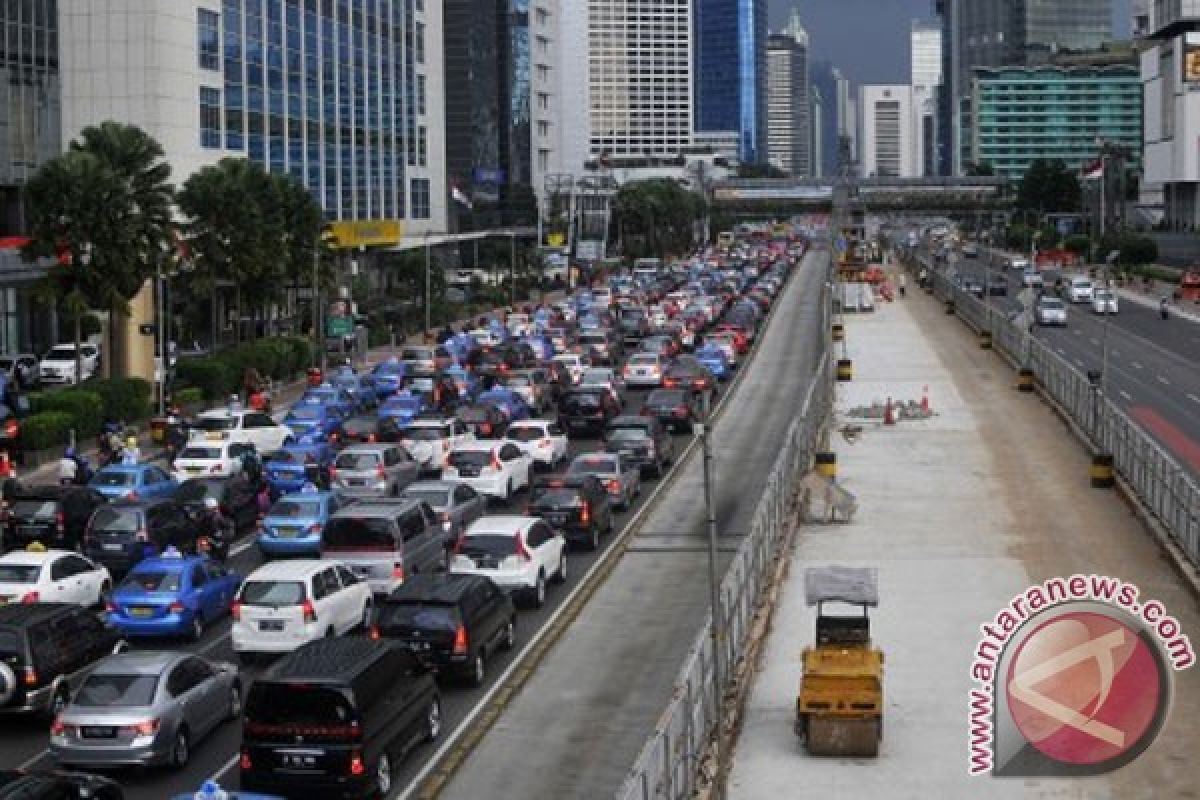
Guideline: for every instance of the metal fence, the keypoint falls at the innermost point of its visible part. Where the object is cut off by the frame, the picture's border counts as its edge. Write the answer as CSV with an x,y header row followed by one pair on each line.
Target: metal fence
x,y
668,766
1170,492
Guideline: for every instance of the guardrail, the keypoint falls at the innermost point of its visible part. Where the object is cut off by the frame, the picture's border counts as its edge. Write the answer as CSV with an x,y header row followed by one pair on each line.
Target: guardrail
x,y
668,766
1165,488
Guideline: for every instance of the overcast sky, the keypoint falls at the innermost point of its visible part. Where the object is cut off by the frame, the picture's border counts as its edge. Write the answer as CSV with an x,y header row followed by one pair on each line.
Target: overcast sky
x,y
868,39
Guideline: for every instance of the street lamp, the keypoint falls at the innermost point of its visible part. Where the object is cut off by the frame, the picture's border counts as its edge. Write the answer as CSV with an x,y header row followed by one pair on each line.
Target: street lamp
x,y
714,589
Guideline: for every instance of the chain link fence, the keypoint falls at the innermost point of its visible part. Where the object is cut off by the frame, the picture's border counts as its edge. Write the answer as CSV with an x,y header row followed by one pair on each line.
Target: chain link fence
x,y
1169,491
668,767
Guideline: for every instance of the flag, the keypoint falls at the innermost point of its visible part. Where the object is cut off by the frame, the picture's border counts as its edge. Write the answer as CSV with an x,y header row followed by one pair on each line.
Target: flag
x,y
461,198
1093,171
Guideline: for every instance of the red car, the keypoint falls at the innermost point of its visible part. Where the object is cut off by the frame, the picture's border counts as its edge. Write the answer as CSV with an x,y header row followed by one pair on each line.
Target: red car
x,y
741,341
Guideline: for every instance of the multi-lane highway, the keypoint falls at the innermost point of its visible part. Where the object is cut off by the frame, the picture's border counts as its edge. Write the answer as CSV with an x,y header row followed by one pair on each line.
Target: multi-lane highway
x,y
1153,364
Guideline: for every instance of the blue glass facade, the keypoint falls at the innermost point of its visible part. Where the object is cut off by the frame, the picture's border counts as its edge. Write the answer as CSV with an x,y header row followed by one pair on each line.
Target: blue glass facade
x,y
730,69
324,90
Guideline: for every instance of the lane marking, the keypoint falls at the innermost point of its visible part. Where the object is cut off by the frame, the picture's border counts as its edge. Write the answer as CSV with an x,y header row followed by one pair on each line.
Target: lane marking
x,y
1163,380
1135,365
1126,395
1079,362
1096,342
1061,352
1193,398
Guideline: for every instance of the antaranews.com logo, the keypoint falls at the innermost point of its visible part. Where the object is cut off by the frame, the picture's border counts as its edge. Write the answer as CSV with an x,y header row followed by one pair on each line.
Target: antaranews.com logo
x,y
1073,678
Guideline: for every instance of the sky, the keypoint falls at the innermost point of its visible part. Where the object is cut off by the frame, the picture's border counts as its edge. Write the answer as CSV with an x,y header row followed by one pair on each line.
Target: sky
x,y
868,39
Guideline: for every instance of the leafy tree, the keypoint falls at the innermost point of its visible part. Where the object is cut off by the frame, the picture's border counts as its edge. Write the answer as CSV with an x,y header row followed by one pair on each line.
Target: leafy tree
x,y
657,216
1048,186
105,209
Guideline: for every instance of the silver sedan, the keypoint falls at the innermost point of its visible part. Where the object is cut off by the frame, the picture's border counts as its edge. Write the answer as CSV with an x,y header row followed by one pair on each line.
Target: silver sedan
x,y
145,708
622,477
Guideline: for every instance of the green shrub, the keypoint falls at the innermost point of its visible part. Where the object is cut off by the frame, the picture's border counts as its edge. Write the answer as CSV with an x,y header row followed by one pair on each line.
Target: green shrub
x,y
124,398
86,408
210,375
190,396
47,429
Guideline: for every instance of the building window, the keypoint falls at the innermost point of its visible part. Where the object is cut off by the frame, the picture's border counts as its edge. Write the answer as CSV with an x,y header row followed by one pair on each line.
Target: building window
x,y
420,198
422,146
421,94
209,38
419,42
418,5
210,118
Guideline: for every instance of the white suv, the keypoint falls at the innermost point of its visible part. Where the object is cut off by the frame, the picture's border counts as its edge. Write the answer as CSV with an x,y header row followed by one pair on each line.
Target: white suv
x,y
496,469
429,441
544,441
519,554
240,425
284,604
58,365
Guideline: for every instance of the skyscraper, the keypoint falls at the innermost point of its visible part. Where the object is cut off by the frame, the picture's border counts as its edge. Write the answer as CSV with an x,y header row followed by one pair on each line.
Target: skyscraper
x,y
886,137
730,64
847,121
788,126
926,56
816,136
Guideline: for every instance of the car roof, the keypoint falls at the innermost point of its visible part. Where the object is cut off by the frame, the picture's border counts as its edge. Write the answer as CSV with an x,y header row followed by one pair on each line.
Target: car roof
x,y
501,524
369,447
443,587
32,613
628,420
328,660
428,422
168,563
123,468
377,507
476,445
139,662
291,569
431,486
33,556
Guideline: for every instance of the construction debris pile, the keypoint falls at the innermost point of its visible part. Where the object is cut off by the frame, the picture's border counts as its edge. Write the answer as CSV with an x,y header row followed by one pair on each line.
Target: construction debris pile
x,y
911,409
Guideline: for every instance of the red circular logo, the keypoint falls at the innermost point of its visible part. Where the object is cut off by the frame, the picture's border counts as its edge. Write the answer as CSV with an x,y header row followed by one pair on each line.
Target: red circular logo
x,y
1084,688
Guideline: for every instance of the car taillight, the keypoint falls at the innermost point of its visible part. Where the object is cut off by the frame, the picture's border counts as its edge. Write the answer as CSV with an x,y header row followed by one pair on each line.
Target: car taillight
x,y
496,462
235,611
332,472
145,728
176,607
486,428
110,607
310,613
681,411
374,633
613,486
58,728
30,597
215,469
357,767
380,472
315,528
370,438
460,641
585,513
545,443
133,495
11,428
60,521
245,762
31,676
398,571
522,551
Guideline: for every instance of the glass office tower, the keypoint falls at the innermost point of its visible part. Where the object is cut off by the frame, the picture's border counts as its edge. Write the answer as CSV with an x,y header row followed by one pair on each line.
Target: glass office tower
x,y
731,72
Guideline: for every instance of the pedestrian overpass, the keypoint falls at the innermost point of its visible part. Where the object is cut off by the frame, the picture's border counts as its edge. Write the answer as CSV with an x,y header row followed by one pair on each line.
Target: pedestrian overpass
x,y
753,197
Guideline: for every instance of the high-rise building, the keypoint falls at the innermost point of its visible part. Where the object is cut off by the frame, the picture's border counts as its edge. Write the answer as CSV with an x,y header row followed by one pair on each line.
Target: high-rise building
x,y
572,89
730,64
887,141
475,113
998,33
346,97
788,124
639,82
1025,113
820,78
845,110
926,58
545,100
816,137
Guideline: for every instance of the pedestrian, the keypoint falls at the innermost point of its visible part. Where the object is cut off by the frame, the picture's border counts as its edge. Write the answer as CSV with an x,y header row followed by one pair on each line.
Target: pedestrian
x,y
7,468
900,282
133,453
68,468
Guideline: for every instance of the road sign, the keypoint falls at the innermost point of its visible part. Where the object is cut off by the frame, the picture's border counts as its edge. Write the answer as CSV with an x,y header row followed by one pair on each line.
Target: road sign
x,y
339,326
455,295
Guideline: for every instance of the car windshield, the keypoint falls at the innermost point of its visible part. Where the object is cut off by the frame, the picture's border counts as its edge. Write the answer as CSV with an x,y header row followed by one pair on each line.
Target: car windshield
x,y
273,593
404,403
476,458
416,354
489,544
525,433
1052,304
436,498
213,424
152,581
557,498
1104,294
517,381
358,533
295,508
423,434
643,360
305,413
116,519
474,414
19,573
61,354
357,461
200,453
101,691
417,614
597,376
582,400
666,397
627,435
593,464
297,705
27,509
114,479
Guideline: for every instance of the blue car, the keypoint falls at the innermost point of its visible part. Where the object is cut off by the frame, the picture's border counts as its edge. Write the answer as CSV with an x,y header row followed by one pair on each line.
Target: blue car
x,y
467,383
133,482
403,407
387,377
461,345
293,525
541,345
331,396
508,401
172,595
360,387
211,791
315,420
714,360
287,470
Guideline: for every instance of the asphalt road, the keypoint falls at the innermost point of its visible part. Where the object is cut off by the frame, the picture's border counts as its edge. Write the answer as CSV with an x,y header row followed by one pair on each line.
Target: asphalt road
x,y
1153,365
581,720
23,741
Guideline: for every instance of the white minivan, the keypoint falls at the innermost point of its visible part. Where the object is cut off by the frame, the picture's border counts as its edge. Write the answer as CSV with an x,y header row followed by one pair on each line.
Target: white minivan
x,y
1079,290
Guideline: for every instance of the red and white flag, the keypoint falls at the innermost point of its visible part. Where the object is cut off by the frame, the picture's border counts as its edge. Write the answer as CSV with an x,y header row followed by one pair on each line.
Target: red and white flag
x,y
1093,171
461,197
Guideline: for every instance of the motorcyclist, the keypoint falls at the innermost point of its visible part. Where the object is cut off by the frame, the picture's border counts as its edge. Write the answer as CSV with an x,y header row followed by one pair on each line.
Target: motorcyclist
x,y
220,531
176,435
71,468
1162,307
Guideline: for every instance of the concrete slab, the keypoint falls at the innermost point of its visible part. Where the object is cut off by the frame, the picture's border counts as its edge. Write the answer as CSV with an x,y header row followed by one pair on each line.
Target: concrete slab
x,y
959,513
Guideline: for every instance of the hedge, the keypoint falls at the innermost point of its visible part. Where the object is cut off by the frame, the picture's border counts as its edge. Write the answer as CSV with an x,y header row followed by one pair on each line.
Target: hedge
x,y
126,399
221,375
85,408
47,429
188,397
208,375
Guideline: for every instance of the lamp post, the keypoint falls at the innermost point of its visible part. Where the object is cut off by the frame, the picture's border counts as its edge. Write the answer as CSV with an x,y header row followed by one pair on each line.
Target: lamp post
x,y
428,268
714,592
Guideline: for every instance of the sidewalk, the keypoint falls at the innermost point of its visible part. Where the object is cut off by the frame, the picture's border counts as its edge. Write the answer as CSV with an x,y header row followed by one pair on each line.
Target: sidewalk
x,y
959,513
1188,311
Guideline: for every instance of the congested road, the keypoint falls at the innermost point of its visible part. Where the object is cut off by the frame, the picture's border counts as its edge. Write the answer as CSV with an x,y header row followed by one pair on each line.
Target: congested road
x,y
1153,364
24,740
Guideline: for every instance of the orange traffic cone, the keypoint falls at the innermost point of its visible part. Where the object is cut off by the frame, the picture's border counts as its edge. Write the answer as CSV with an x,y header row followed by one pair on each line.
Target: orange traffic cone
x,y
924,399
889,416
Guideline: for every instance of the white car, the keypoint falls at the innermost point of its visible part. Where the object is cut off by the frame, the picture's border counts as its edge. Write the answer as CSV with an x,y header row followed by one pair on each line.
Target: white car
x,y
1032,279
606,377
542,440
1079,290
284,604
58,365
1104,301
644,369
485,337
495,469
519,554
1019,263
574,364
240,425
519,324
429,441
38,575
204,459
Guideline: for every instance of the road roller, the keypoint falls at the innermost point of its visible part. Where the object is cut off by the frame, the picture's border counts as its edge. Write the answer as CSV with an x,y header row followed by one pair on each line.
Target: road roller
x,y
839,710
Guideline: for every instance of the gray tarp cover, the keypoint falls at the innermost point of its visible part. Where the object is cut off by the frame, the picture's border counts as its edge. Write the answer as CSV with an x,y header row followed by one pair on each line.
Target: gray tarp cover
x,y
858,585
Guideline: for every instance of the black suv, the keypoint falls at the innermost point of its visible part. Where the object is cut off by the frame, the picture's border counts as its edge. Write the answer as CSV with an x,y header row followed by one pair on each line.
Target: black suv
x,y
643,440
326,720
452,623
46,649
236,495
57,785
121,534
677,409
55,516
577,506
588,410
484,420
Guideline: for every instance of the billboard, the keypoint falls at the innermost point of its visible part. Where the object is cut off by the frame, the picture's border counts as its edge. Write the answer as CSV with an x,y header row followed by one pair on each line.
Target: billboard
x,y
366,232
1191,57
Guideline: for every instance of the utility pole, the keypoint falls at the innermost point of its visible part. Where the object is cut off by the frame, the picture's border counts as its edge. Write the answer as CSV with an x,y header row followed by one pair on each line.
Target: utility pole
x,y
714,589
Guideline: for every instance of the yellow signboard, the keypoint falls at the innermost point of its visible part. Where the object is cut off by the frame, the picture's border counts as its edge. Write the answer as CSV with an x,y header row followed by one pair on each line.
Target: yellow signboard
x,y
366,232
555,239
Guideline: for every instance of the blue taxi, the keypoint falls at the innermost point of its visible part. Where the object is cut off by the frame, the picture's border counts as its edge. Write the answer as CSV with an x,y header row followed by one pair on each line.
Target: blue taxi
x,y
329,396
133,482
293,525
314,419
403,407
465,381
388,376
360,387
172,595
508,401
210,790
288,469
714,360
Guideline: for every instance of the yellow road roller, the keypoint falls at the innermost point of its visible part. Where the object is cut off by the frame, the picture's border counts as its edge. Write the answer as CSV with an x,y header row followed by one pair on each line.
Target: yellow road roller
x,y
839,711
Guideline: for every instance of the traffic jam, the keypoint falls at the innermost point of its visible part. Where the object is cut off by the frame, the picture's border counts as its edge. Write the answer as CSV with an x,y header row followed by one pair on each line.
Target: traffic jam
x,y
306,591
